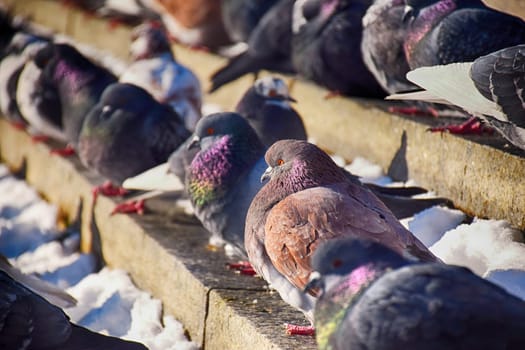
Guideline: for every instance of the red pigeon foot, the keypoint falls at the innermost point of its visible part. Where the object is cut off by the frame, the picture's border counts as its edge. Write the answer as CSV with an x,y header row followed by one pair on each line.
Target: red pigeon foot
x,y
108,189
243,267
19,125
39,138
129,208
472,126
332,94
293,329
64,152
414,111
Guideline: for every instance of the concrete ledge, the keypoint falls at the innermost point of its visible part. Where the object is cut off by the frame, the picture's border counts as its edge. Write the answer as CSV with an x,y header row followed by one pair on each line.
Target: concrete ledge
x,y
166,255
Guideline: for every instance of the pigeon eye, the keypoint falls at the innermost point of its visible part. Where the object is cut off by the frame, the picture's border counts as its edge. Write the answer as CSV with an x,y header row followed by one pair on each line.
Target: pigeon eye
x,y
210,131
337,263
280,162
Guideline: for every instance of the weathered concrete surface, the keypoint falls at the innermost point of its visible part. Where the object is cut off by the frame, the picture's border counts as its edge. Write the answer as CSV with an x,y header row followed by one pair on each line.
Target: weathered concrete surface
x,y
166,255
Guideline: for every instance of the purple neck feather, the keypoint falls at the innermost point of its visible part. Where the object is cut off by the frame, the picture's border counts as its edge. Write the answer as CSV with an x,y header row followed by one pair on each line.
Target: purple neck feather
x,y
425,22
71,78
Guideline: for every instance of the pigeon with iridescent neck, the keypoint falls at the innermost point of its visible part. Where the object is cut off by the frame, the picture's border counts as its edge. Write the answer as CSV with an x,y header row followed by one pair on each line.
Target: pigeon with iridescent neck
x,y
373,298
307,200
78,81
155,69
240,17
447,31
223,177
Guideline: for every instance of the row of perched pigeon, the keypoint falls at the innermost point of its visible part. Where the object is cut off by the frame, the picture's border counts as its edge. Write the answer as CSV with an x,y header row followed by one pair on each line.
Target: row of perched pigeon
x,y
369,295
380,41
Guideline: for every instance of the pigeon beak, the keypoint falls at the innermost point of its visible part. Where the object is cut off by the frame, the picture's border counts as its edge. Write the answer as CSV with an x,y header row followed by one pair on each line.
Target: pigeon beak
x,y
314,285
195,142
267,174
408,13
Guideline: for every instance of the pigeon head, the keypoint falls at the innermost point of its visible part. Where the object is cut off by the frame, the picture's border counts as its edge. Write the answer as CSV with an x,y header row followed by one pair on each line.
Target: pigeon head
x,y
118,104
314,11
295,165
358,261
272,88
228,148
149,40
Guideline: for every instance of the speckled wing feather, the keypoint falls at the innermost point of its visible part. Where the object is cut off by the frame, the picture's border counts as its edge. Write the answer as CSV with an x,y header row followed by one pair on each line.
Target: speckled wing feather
x,y
500,77
295,226
435,304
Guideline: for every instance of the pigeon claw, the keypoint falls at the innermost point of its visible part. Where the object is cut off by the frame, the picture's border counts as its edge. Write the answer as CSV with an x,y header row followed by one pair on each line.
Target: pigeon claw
x,y
108,189
129,208
293,329
243,268
19,125
332,94
64,152
414,111
39,138
473,126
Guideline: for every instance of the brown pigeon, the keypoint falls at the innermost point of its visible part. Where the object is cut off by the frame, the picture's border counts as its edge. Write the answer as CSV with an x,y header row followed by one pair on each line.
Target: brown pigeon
x,y
308,200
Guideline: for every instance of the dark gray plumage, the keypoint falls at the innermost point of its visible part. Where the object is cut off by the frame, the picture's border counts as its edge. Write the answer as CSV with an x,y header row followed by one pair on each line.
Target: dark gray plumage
x,y
31,322
79,83
382,45
326,46
268,47
372,298
447,31
240,17
128,132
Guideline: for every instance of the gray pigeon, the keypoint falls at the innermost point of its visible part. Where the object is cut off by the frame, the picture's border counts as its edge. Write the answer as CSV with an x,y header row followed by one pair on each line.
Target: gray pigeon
x,y
17,54
31,322
268,47
307,200
240,17
373,298
128,132
223,177
326,46
446,31
382,45
490,88
155,69
79,83
266,106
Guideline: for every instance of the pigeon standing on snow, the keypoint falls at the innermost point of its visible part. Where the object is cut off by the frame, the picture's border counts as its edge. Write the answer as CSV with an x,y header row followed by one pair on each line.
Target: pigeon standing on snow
x,y
382,44
240,17
490,88
79,83
31,322
326,46
155,69
307,200
372,298
128,132
447,31
266,106
269,47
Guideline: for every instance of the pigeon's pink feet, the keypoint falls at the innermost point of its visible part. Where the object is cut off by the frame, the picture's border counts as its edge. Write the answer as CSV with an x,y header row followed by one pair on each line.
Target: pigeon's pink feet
x,y
243,268
332,94
19,125
293,329
39,138
64,152
414,111
109,190
129,207
472,126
